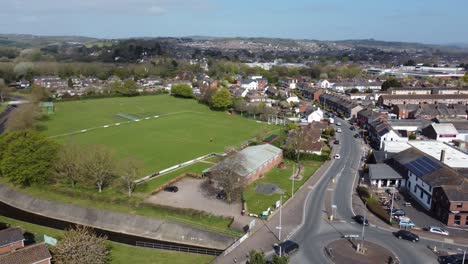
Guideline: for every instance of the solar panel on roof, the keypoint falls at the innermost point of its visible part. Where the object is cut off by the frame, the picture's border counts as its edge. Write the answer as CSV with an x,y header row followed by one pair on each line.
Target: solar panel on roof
x,y
422,166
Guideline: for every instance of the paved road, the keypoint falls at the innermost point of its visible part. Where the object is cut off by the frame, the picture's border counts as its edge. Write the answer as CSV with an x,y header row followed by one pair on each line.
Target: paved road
x,y
317,231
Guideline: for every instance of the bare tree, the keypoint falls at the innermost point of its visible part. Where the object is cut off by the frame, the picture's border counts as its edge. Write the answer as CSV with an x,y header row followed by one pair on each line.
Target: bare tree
x,y
227,175
24,116
262,133
297,142
129,171
69,164
81,246
99,166
38,93
241,106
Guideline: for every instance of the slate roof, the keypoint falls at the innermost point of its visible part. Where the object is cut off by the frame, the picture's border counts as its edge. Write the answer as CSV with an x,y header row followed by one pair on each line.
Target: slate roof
x,y
10,235
27,255
456,193
444,129
383,172
442,175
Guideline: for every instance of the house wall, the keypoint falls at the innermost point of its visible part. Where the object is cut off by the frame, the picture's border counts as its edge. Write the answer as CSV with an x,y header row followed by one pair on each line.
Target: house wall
x,y
11,247
419,190
264,168
447,211
392,136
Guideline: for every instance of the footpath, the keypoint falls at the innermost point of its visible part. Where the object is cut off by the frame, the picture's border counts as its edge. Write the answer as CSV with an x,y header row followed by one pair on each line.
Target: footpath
x,y
265,233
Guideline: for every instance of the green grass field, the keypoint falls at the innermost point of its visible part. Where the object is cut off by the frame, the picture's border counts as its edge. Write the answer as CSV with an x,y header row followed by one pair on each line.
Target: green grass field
x,y
120,253
2,107
257,203
184,129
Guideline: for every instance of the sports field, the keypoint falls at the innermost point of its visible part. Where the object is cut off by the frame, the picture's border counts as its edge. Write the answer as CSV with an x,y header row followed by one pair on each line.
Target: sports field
x,y
160,130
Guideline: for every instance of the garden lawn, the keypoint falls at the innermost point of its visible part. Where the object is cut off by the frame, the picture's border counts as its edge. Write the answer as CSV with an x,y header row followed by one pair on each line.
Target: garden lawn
x,y
120,253
3,107
183,130
257,203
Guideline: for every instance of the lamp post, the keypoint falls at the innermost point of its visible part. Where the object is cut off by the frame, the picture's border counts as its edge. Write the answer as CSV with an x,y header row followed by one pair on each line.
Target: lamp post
x,y
363,226
293,177
391,206
281,216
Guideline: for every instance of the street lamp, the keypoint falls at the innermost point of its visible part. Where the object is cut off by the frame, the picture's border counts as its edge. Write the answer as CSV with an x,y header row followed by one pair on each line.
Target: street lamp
x,y
281,216
293,177
464,254
363,226
391,207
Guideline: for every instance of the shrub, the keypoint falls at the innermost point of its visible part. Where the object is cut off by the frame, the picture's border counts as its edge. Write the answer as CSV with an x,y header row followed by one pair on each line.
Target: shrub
x,y
375,207
363,192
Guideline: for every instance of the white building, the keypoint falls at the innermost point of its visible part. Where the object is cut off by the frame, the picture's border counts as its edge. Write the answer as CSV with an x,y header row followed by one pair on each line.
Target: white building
x,y
293,99
316,116
324,84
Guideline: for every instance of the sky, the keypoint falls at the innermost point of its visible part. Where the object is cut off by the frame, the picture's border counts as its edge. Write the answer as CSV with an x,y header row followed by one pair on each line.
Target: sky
x,y
426,21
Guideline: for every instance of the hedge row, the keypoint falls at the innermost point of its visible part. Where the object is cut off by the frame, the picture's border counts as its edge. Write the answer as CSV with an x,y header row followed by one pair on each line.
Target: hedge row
x,y
373,204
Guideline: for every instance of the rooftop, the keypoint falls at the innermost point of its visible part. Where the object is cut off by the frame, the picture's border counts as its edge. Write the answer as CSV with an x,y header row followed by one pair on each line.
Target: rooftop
x,y
382,171
445,129
10,235
27,255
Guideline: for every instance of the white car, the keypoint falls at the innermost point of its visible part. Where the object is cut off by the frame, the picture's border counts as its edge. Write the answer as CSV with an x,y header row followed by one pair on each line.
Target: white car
x,y
437,230
338,123
338,130
337,156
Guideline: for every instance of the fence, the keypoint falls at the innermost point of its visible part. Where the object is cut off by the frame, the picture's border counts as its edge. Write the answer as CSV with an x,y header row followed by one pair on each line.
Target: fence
x,y
196,250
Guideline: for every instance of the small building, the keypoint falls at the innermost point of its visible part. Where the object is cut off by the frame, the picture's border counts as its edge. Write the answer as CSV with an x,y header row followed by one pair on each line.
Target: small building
x,y
441,132
383,176
257,160
35,254
11,239
451,204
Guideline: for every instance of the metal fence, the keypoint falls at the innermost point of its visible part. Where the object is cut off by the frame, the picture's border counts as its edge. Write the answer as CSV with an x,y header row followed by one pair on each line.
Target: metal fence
x,y
196,250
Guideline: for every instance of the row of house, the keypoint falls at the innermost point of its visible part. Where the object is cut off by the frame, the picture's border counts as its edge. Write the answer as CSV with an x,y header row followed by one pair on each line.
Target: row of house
x,y
340,104
14,251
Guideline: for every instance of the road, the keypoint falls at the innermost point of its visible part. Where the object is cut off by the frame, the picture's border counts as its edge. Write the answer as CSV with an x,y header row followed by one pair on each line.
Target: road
x,y
317,231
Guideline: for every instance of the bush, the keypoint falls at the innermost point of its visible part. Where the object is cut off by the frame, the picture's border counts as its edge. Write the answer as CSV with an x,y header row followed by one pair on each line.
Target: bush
x,y
182,90
363,192
375,207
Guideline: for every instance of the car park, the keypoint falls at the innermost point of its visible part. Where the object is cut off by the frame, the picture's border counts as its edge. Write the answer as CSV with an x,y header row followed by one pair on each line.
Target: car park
x,y
287,247
171,188
337,156
437,230
403,234
361,220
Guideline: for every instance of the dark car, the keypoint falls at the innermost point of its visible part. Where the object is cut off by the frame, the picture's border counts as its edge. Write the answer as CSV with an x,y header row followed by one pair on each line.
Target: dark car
x,y
357,136
352,128
360,220
287,247
403,234
336,142
398,212
171,188
221,195
453,259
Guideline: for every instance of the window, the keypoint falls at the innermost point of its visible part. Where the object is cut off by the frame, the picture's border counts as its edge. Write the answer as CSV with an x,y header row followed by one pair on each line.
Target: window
x,y
430,188
409,185
428,199
466,221
415,188
459,205
421,195
457,219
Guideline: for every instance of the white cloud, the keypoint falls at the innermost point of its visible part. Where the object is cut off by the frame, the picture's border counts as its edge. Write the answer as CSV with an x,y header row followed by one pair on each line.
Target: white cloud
x,y
156,10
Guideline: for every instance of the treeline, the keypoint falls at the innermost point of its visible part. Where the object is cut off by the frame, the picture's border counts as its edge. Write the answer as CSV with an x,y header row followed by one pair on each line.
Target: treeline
x,y
28,158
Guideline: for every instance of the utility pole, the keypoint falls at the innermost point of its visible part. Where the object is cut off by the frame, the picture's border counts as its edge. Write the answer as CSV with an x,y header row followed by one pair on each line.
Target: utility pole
x,y
363,226
281,216
293,177
391,207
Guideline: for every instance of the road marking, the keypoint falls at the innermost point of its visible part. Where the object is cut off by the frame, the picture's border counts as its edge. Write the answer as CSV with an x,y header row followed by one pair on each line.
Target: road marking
x,y
448,240
330,189
310,187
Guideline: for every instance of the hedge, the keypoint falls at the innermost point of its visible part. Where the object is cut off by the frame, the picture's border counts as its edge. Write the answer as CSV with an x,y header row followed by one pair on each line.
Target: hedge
x,y
373,204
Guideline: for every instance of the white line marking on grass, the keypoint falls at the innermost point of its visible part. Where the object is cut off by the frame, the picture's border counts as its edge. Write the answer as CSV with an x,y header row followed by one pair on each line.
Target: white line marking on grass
x,y
117,124
106,126
84,130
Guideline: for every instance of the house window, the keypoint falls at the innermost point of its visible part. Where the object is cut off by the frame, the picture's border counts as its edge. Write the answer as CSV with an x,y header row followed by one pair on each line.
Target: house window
x,y
428,199
459,205
457,219
421,195
430,188
415,189
409,185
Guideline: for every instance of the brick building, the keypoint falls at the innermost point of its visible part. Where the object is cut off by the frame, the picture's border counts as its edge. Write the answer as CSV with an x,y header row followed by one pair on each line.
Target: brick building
x,y
256,161
394,99
451,204
11,239
35,254
342,105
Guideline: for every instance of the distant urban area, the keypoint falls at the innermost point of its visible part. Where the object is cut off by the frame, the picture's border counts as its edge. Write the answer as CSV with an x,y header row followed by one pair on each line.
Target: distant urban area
x,y
232,150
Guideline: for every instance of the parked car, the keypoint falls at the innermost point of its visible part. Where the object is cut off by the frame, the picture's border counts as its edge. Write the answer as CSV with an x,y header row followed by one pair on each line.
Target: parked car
x,y
171,188
437,230
337,156
397,212
406,223
403,234
357,136
287,247
360,220
338,130
453,259
338,123
221,195
336,142
352,128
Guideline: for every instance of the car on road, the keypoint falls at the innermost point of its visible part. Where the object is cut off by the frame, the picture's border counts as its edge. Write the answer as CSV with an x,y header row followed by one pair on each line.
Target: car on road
x,y
357,136
171,188
406,223
437,230
287,247
338,123
352,128
403,234
338,130
361,220
337,156
336,142
453,259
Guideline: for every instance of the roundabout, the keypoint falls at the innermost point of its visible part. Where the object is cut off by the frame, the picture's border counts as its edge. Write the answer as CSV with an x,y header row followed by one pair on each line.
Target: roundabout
x,y
356,252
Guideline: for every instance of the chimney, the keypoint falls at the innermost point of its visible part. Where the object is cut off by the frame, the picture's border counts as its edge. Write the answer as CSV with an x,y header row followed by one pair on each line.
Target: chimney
x,y
442,155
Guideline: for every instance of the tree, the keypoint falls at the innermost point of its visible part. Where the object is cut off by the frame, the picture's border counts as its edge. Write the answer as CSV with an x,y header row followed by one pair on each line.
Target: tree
x,y
4,92
99,165
279,260
256,257
241,106
221,99
465,78
182,90
25,116
129,171
126,88
69,163
225,175
38,93
409,63
297,142
81,246
261,134
354,90
390,83
26,157
70,83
